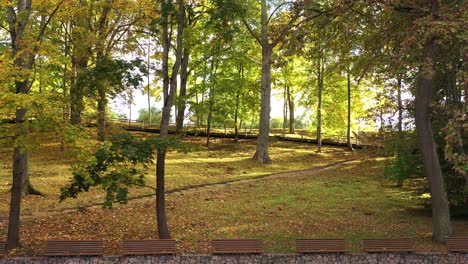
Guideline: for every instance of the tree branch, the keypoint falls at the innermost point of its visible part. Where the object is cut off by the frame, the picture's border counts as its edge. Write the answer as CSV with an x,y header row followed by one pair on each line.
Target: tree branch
x,y
276,9
257,38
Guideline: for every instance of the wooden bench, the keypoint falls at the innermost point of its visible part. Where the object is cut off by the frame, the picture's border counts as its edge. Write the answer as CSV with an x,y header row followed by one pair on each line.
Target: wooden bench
x,y
149,247
2,248
237,246
322,245
457,244
74,248
388,245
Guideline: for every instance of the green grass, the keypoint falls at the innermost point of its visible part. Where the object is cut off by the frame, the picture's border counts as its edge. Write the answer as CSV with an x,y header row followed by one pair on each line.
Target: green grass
x,y
225,160
351,201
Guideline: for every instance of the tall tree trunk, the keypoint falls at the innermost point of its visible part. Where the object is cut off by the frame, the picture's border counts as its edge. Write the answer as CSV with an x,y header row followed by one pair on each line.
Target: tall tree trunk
x,y
285,109
261,153
148,57
319,106
163,229
400,109
23,58
465,104
76,92
211,94
236,117
184,74
292,128
400,125
236,112
20,174
168,97
102,105
81,52
441,228
348,127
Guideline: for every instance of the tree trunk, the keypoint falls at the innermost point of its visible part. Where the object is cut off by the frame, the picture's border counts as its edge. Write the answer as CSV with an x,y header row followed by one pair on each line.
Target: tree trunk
x,y
148,57
292,129
168,97
348,128
102,103
441,228
184,74
400,125
20,174
18,22
79,64
319,106
400,108
285,109
465,104
261,153
236,113
236,117
211,95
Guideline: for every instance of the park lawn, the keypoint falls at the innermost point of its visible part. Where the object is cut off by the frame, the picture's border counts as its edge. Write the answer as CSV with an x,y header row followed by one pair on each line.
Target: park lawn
x,y
351,201
225,160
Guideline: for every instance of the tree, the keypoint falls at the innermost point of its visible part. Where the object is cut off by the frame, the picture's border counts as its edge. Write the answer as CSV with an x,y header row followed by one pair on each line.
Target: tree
x,y
268,40
23,55
154,116
169,87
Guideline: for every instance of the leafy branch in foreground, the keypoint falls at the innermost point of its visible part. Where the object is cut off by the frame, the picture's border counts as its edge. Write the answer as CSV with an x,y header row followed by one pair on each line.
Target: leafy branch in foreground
x,y
117,165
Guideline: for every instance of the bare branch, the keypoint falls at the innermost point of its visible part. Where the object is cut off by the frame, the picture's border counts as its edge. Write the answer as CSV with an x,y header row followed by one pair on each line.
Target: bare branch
x,y
276,9
44,26
252,32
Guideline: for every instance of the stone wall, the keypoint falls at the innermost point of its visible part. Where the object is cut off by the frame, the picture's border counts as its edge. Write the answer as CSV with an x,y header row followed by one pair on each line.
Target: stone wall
x,y
414,258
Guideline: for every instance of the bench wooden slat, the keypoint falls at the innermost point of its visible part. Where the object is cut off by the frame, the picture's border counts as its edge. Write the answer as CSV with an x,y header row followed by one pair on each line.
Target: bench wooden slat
x,y
149,247
74,248
457,244
320,245
2,248
388,245
237,246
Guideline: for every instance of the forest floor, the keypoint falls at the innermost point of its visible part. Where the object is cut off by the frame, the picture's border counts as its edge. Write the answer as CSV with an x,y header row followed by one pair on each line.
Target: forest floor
x,y
220,192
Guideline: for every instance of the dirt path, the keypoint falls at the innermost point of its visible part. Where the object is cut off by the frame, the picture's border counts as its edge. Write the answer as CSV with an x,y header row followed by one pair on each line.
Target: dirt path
x,y
295,173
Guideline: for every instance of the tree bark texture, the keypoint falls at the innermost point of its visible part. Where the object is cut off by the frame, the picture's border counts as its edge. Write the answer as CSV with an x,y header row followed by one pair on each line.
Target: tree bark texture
x,y
441,228
261,153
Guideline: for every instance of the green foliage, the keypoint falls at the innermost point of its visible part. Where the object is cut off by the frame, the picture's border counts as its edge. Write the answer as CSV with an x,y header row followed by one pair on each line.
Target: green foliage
x,y
117,165
406,159
155,115
115,73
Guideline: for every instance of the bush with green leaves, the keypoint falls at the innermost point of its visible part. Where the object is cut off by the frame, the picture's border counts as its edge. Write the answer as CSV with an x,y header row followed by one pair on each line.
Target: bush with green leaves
x,y
116,166
406,161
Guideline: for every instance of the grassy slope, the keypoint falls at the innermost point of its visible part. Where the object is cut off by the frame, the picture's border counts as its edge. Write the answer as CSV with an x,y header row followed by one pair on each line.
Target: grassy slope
x,y
351,202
